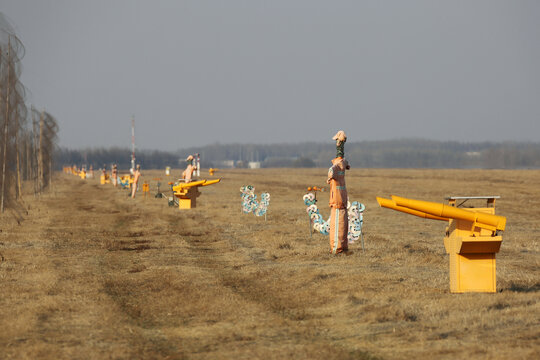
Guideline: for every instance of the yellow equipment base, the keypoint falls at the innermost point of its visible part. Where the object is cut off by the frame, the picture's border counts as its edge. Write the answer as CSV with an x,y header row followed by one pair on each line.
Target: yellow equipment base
x,y
472,273
185,203
104,179
472,256
187,199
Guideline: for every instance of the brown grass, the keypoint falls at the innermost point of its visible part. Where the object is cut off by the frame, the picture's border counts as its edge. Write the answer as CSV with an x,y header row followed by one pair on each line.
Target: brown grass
x,y
91,273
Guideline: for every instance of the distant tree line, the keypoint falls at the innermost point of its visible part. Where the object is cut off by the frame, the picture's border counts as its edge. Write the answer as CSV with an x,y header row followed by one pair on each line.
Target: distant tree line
x,y
97,158
403,153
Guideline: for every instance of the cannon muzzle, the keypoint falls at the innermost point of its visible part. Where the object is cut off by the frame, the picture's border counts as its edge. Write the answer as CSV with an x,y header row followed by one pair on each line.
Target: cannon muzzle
x,y
387,203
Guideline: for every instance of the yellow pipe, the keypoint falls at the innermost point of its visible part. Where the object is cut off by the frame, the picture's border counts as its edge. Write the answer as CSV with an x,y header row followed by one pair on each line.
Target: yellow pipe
x,y
184,186
181,186
387,203
436,209
211,182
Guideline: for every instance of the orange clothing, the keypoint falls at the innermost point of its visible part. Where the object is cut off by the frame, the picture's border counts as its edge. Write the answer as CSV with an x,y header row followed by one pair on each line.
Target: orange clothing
x,y
114,176
188,173
136,177
339,229
336,179
339,221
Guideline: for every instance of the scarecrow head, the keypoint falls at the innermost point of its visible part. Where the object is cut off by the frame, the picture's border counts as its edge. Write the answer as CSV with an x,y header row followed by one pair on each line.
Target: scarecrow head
x,y
340,139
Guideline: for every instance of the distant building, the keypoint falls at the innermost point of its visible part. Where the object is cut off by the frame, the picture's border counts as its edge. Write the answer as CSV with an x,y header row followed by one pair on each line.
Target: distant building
x,y
254,164
226,163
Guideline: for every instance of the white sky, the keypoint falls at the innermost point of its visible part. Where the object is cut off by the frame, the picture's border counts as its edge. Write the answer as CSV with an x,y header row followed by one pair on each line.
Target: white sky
x,y
200,72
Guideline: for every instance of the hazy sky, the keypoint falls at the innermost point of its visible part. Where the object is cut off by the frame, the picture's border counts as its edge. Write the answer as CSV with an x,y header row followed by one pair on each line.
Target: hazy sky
x,y
200,72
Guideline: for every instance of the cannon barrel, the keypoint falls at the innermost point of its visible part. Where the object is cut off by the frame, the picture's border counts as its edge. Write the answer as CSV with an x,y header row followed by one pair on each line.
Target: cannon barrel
x,y
437,211
387,203
484,220
183,186
211,182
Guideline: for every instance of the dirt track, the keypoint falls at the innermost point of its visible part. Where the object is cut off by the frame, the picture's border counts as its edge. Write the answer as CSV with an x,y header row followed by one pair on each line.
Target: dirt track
x,y
91,273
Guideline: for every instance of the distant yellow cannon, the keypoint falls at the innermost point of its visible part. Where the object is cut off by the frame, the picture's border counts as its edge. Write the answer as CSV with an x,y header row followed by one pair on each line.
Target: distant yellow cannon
x,y
104,179
187,193
125,181
472,238
211,171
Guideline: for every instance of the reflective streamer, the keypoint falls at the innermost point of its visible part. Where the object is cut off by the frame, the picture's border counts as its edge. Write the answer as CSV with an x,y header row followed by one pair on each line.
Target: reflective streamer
x,y
354,213
250,203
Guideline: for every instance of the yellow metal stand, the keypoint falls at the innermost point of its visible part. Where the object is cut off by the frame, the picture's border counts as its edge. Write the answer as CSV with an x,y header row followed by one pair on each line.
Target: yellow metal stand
x,y
472,252
187,193
188,199
104,179
472,238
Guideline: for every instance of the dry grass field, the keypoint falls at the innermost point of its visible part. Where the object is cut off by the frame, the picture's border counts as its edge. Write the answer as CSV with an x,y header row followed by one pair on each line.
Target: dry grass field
x,y
89,273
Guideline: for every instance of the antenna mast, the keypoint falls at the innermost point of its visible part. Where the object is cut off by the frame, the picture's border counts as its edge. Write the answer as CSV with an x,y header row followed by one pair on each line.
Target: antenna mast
x,y
132,144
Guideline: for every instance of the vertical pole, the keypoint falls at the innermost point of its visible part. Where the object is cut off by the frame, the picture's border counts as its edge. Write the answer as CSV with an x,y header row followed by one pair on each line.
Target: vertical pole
x,y
28,157
25,162
40,153
18,160
6,119
34,153
133,144
50,172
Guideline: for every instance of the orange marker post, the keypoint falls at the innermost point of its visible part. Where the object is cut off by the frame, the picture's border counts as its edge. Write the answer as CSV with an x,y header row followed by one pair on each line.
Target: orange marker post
x,y
145,188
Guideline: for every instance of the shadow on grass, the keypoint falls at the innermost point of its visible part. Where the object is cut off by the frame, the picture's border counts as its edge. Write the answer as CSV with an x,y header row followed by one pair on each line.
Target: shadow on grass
x,y
522,288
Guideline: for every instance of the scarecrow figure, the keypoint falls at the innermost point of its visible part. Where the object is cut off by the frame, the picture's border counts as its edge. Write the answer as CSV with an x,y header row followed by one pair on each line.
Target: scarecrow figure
x,y
136,177
339,222
114,175
188,173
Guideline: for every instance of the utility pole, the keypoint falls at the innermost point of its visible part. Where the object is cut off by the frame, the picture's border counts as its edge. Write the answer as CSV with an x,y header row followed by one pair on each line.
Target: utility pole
x,y
35,169
40,153
6,120
132,170
17,153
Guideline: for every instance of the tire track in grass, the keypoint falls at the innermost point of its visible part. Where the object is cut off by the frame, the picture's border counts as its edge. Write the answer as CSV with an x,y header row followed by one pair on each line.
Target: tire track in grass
x,y
97,321
242,269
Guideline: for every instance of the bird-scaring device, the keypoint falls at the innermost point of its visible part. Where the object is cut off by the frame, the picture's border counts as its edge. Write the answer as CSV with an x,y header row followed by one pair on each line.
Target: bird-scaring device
x,y
355,216
315,189
187,193
250,204
473,237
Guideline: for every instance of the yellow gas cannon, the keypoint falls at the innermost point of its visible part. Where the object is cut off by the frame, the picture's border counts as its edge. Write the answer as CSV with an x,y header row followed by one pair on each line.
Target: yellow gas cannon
x,y
211,171
187,193
104,179
472,238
